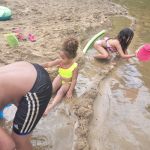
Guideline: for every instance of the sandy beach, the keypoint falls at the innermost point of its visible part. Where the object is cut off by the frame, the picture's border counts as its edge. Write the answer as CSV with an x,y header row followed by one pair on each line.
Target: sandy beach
x,y
51,22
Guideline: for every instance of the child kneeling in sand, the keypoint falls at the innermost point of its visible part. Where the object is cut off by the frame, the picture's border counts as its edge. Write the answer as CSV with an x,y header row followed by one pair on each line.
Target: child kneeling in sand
x,y
66,79
117,45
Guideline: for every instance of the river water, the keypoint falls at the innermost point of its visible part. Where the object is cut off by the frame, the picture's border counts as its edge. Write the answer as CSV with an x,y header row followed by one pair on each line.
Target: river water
x,y
121,117
122,112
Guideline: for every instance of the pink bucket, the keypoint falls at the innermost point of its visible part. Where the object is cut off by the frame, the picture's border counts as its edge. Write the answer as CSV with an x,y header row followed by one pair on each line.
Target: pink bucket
x,y
143,53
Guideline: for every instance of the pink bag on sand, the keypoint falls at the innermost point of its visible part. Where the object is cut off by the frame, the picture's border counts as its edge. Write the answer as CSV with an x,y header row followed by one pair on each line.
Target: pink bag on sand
x,y
143,53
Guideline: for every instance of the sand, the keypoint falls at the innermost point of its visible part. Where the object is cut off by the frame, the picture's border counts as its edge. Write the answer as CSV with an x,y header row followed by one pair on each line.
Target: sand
x,y
51,22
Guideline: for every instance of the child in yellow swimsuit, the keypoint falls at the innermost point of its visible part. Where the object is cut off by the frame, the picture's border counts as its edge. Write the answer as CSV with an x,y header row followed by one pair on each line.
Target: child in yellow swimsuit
x,y
66,79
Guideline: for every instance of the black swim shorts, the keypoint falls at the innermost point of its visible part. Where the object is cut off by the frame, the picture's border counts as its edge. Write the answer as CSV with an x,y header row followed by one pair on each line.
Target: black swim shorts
x,y
33,104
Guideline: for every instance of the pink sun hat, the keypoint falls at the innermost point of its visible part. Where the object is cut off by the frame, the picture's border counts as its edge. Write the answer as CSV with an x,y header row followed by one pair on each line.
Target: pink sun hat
x,y
143,53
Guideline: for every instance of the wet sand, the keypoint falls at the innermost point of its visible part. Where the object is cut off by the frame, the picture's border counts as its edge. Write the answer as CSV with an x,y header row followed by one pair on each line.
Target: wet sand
x,y
66,127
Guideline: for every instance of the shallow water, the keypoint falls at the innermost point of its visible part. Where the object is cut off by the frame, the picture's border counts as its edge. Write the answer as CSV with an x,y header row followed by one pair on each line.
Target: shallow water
x,y
122,113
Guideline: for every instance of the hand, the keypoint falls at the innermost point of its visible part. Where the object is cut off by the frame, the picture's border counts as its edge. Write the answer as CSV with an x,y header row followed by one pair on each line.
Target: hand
x,y
69,94
134,55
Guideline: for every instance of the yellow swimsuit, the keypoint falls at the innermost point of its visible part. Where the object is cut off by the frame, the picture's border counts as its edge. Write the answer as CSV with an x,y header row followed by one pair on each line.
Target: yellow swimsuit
x,y
67,73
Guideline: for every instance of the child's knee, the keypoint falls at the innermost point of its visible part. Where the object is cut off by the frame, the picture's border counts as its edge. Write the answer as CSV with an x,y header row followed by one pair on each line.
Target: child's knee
x,y
61,92
95,45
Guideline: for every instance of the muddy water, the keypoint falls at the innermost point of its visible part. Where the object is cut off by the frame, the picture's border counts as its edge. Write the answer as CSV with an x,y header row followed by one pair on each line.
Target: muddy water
x,y
52,132
118,112
122,112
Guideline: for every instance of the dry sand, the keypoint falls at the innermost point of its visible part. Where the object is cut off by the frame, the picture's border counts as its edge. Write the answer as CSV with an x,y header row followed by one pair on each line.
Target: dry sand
x,y
52,21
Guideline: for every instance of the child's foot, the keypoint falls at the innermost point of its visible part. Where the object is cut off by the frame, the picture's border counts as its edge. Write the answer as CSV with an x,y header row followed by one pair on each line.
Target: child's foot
x,y
45,113
49,107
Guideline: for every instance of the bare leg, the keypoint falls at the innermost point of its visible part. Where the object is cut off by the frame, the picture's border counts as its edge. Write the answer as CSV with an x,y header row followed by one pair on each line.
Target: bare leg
x,y
103,54
60,94
22,141
6,142
56,83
